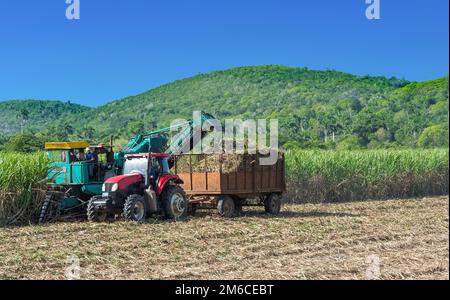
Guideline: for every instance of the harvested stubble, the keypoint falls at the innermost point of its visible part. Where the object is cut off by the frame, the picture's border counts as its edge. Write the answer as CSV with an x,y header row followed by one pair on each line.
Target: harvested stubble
x,y
311,241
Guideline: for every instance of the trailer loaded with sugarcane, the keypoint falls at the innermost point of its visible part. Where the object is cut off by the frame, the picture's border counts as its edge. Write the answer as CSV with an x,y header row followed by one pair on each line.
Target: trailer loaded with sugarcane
x,y
230,181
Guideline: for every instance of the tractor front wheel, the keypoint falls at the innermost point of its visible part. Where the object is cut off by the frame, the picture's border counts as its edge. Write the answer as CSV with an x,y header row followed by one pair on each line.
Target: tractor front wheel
x,y
135,208
93,214
175,203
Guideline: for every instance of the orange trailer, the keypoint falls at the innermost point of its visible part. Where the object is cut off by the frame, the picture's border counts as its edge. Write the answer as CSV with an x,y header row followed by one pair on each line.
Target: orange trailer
x,y
210,181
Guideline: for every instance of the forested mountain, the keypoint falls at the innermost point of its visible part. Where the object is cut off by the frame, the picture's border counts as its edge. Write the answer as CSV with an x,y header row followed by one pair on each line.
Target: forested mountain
x,y
19,115
315,108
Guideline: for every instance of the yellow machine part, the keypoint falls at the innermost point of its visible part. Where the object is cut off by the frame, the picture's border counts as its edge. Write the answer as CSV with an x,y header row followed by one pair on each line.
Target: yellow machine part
x,y
66,145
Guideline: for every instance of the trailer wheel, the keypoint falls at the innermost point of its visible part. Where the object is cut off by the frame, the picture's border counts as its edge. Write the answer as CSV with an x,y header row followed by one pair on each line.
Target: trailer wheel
x,y
238,205
192,210
226,207
135,208
272,204
175,203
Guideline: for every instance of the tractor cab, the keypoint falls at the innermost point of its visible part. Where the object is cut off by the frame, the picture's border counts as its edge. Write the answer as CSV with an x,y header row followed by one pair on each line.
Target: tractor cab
x,y
150,166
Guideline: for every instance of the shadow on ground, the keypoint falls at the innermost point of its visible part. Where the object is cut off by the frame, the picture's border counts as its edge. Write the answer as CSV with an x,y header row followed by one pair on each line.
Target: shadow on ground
x,y
283,215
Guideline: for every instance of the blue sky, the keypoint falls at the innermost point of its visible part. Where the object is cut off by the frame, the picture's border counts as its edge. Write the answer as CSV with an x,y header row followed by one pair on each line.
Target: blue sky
x,y
120,48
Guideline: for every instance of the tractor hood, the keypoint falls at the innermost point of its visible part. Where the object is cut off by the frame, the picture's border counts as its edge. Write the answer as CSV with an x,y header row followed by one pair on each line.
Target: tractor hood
x,y
124,181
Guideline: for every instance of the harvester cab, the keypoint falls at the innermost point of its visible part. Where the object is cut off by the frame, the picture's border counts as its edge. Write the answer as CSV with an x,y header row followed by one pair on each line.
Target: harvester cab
x,y
146,188
62,156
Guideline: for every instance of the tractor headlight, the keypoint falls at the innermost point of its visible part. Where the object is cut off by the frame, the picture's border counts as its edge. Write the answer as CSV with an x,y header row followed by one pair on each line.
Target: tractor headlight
x,y
115,187
104,188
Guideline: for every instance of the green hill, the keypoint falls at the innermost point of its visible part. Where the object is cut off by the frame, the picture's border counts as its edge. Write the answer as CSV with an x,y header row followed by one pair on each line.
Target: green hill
x,y
34,115
315,108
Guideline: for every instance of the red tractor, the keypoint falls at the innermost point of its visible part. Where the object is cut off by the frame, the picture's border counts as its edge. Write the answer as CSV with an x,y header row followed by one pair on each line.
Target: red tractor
x,y
146,188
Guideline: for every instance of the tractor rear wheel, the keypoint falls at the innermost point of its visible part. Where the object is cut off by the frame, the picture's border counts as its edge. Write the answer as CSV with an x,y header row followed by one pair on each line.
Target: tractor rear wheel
x,y
135,208
174,202
226,207
272,204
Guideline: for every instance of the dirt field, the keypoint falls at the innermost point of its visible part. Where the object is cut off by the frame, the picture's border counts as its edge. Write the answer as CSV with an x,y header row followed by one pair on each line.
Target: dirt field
x,y
408,238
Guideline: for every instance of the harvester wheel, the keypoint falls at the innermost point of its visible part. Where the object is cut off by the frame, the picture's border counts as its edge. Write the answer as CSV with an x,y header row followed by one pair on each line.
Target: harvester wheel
x,y
135,208
48,209
175,203
226,207
272,204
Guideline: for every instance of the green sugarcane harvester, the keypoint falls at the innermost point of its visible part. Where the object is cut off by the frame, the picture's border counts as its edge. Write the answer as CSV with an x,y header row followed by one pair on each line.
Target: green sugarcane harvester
x,y
73,180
